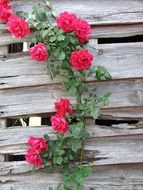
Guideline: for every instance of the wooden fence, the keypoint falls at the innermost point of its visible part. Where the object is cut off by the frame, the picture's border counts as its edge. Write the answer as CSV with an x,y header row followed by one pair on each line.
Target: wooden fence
x,y
116,146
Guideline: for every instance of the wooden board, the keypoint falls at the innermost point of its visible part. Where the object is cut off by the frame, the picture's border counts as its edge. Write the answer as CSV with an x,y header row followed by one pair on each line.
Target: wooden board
x,y
40,99
123,145
100,31
95,11
124,61
104,178
26,89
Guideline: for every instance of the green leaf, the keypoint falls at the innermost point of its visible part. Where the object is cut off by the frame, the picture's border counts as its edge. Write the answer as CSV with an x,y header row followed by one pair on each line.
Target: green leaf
x,y
58,160
76,144
48,3
53,38
54,14
62,56
39,13
46,137
60,37
56,52
95,112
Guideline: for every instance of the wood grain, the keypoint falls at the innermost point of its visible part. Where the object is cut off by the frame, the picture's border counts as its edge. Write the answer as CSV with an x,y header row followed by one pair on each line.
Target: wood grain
x,y
109,177
2,126
40,99
100,31
123,61
108,145
95,11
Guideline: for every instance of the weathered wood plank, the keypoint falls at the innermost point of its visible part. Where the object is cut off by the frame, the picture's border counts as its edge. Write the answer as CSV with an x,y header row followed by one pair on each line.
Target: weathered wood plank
x,y
122,60
105,31
2,126
19,135
7,38
125,148
3,51
40,99
116,31
129,113
104,178
95,11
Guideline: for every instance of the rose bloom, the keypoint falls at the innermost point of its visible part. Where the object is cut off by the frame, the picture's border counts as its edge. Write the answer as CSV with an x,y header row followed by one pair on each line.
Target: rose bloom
x,y
66,21
63,107
18,26
81,59
33,158
82,30
39,52
59,124
5,12
38,144
4,2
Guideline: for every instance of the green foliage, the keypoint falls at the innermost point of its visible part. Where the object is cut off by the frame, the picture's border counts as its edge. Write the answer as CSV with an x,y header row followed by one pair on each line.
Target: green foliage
x,y
67,149
100,73
76,179
92,103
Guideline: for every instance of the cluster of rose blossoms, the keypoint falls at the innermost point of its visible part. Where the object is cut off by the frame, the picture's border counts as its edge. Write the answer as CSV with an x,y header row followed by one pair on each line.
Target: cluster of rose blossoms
x,y
79,60
17,26
68,22
59,124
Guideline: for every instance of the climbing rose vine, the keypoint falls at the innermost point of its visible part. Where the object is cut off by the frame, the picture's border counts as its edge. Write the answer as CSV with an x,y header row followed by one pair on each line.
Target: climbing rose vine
x,y
61,44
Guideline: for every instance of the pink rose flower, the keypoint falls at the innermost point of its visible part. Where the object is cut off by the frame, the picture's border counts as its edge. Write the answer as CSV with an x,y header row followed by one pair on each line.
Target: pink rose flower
x,y
66,21
82,30
63,107
4,2
81,59
33,158
59,124
18,26
5,12
39,52
38,144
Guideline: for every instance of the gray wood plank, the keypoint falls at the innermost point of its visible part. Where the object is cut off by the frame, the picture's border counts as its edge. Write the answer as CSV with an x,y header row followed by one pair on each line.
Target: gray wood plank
x,y
40,99
104,178
19,135
95,11
100,31
122,60
2,126
123,145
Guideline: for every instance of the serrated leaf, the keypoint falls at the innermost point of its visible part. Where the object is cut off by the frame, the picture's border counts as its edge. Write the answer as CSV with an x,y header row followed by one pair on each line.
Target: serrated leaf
x,y
76,144
95,113
60,37
52,39
58,160
62,56
50,188
54,14
48,3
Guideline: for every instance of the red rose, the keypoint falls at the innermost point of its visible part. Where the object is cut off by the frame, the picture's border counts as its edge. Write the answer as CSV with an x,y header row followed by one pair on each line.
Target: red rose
x,y
82,30
18,26
66,21
81,59
4,2
5,12
39,52
38,144
59,124
63,107
33,158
